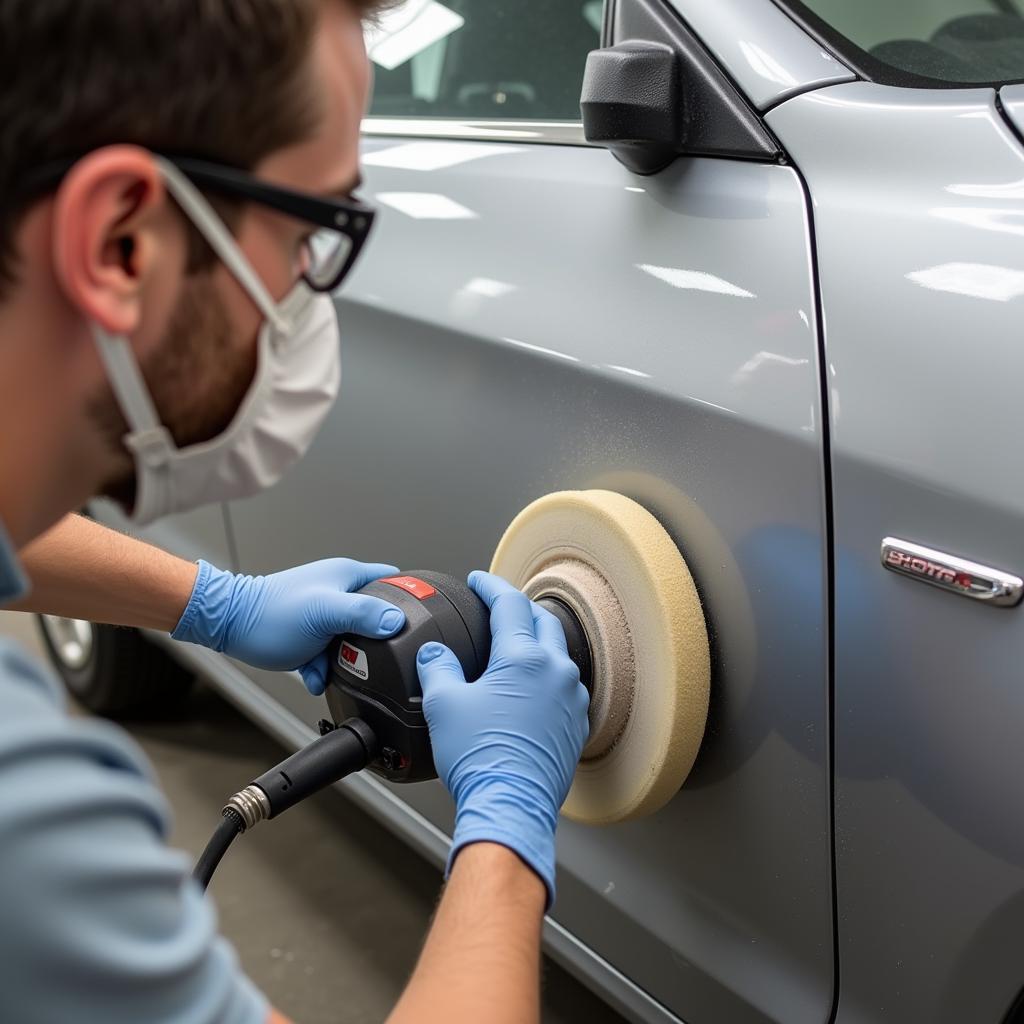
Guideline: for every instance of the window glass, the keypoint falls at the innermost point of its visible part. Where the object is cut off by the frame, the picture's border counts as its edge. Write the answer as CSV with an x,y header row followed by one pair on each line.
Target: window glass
x,y
956,41
483,59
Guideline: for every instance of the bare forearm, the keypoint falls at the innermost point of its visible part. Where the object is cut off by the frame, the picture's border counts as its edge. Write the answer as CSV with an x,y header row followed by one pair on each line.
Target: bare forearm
x,y
481,961
86,571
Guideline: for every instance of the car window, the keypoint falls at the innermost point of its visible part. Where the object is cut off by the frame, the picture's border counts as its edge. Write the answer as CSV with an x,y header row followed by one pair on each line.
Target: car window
x,y
483,59
958,42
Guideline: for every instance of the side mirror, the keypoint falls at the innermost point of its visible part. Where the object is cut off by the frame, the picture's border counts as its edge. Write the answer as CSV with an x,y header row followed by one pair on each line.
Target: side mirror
x,y
632,103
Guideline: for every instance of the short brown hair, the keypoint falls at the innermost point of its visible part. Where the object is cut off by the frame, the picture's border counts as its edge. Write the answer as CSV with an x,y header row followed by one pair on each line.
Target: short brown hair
x,y
220,79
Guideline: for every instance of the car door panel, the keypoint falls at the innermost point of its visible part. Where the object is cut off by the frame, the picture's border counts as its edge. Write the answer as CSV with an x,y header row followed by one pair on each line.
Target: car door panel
x,y
532,318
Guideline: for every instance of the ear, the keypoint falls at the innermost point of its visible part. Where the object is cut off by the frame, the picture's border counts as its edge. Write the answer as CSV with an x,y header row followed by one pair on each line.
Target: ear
x,y
105,216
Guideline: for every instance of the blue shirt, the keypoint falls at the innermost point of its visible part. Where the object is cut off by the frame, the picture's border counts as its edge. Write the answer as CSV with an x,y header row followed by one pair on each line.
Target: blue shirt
x,y
100,920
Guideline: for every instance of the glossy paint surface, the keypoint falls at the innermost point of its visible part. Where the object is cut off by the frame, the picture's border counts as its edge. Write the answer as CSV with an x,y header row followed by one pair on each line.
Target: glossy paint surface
x,y
535,318
766,53
919,216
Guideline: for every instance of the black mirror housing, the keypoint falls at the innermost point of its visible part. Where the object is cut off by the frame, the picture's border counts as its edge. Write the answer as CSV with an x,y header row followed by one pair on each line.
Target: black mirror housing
x,y
656,93
632,103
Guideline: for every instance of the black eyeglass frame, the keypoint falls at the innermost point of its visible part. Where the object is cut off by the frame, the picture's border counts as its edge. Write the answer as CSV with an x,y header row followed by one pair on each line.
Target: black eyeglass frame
x,y
347,217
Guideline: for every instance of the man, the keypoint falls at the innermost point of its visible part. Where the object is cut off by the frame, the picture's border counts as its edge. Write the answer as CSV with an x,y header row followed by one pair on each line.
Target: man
x,y
166,339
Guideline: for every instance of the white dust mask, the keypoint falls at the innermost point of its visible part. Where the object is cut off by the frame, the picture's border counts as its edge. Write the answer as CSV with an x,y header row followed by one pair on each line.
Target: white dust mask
x,y
298,376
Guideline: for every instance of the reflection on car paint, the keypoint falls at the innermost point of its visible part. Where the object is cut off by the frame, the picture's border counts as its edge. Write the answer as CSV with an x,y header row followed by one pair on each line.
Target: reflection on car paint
x,y
433,156
978,280
426,205
697,280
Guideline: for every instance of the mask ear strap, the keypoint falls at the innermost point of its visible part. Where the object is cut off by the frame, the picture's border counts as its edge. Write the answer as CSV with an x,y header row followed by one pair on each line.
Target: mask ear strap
x,y
126,377
212,228
146,435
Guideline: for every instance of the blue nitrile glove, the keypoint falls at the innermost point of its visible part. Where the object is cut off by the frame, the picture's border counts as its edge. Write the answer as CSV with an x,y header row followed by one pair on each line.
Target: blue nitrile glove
x,y
507,745
284,621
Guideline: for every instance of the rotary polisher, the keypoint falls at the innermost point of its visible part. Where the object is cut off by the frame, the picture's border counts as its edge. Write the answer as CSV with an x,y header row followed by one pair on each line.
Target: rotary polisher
x,y
612,575
376,702
376,680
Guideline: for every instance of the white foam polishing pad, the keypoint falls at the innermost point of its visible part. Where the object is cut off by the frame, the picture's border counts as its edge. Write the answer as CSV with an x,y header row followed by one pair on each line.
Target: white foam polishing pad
x,y
615,565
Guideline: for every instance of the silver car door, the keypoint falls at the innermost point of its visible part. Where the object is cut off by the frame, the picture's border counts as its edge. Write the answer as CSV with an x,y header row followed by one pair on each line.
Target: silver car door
x,y
530,317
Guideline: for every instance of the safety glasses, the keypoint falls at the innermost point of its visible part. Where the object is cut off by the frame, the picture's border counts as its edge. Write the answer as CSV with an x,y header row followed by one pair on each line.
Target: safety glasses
x,y
344,225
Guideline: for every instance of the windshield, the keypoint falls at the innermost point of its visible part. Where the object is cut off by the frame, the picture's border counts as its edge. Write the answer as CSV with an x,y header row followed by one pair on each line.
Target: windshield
x,y
936,42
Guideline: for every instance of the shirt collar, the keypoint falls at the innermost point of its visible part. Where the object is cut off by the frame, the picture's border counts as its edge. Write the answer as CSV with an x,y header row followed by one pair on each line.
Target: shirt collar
x,y
12,580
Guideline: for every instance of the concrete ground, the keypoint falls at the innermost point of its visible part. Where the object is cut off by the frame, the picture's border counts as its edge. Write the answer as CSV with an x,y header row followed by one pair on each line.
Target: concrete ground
x,y
326,908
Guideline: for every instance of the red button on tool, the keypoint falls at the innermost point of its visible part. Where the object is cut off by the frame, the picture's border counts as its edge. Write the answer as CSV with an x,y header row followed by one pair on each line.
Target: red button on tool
x,y
416,587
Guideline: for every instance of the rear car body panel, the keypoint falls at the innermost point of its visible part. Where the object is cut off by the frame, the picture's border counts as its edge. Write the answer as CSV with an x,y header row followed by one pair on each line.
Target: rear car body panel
x,y
918,216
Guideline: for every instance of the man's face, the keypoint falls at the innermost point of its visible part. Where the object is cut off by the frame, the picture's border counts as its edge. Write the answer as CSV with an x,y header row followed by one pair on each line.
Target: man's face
x,y
203,363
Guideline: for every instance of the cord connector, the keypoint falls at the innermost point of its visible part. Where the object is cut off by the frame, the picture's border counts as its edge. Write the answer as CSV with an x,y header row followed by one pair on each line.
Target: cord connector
x,y
251,805
337,753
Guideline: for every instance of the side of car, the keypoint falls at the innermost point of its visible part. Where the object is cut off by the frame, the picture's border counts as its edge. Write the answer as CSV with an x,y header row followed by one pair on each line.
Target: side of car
x,y
757,343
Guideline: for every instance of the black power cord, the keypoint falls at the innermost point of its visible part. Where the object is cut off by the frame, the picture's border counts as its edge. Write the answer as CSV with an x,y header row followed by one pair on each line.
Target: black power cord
x,y
342,751
230,826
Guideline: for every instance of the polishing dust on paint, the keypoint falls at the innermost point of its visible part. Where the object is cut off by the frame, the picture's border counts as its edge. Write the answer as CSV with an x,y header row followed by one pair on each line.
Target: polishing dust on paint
x,y
353,660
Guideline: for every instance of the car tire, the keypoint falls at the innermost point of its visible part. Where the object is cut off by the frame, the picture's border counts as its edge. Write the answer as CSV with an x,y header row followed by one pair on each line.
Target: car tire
x,y
113,671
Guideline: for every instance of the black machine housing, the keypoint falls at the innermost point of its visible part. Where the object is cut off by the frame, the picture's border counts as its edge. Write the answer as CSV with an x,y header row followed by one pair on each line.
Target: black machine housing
x,y
377,682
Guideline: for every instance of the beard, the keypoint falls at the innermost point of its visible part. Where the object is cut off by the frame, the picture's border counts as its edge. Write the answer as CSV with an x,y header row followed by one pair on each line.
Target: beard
x,y
197,376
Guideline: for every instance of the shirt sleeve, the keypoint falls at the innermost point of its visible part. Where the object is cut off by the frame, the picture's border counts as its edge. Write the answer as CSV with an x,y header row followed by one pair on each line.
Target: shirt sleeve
x,y
100,920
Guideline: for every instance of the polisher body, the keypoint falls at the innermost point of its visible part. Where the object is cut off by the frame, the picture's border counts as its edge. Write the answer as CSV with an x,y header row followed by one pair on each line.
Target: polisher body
x,y
377,681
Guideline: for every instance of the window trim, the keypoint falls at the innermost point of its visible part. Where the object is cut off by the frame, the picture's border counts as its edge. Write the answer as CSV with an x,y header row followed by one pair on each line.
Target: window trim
x,y
551,133
861,63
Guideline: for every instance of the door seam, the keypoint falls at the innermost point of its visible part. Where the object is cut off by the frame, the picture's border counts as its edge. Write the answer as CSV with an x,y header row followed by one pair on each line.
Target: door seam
x,y
830,574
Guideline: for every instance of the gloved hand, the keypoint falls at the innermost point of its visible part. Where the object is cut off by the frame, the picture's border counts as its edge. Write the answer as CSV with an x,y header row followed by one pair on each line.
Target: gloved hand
x,y
507,745
284,621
